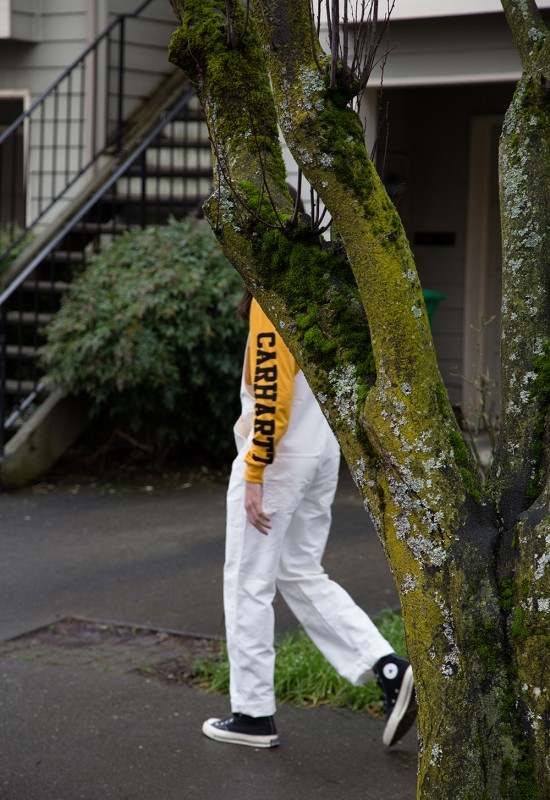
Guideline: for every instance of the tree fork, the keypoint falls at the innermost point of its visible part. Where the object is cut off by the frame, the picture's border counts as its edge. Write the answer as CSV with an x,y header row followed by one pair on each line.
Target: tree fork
x,y
395,424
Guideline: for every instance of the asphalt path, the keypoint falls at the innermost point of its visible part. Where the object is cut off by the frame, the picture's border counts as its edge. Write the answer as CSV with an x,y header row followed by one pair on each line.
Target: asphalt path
x,y
147,555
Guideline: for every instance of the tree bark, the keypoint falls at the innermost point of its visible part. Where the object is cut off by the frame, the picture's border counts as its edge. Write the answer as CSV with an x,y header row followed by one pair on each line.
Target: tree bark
x,y
352,314
519,481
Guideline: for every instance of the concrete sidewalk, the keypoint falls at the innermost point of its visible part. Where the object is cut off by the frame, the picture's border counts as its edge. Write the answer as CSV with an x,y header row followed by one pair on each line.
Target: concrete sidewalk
x,y
98,730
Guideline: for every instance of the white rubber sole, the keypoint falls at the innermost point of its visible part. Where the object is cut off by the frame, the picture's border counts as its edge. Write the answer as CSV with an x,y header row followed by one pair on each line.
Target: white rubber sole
x,y
232,737
404,712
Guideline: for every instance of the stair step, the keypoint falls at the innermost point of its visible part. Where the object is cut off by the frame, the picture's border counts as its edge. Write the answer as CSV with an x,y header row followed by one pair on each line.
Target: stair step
x,y
169,201
22,388
101,228
65,257
174,142
23,351
53,287
168,171
28,318
190,115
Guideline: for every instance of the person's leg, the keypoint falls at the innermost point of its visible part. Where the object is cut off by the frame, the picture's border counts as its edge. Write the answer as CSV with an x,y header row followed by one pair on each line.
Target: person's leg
x,y
340,629
395,678
250,570
251,563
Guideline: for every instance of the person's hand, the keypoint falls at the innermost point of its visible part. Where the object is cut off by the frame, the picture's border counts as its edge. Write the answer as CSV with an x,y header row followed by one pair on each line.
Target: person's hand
x,y
253,503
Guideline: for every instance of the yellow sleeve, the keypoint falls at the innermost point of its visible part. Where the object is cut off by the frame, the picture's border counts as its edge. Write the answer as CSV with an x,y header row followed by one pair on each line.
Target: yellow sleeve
x,y
272,372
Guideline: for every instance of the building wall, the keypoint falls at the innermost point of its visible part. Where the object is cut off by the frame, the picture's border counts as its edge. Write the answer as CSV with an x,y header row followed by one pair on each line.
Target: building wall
x,y
147,53
441,72
67,27
436,79
428,140
475,49
414,9
33,65
22,19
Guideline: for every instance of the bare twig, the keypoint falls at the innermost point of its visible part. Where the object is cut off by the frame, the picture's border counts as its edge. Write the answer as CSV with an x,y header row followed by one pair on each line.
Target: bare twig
x,y
298,198
481,420
230,41
246,18
345,35
334,41
312,31
147,448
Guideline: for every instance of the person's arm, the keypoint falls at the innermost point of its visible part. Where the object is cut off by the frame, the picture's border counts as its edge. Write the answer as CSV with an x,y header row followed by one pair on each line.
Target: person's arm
x,y
272,373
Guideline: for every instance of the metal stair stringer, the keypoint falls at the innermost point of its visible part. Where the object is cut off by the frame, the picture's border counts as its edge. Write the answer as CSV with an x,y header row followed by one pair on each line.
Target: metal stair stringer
x,y
143,121
33,450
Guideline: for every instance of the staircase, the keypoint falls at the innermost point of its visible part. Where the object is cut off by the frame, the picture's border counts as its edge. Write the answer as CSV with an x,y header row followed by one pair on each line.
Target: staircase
x,y
159,166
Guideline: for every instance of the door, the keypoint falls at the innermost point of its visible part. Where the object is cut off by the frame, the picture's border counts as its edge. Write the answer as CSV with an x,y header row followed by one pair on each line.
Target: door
x,y
483,284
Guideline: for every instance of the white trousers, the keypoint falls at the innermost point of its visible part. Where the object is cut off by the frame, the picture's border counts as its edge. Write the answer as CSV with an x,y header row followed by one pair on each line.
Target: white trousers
x,y
298,499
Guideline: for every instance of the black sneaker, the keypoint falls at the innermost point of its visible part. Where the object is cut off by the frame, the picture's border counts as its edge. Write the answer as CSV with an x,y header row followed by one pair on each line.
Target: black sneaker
x,y
395,678
241,729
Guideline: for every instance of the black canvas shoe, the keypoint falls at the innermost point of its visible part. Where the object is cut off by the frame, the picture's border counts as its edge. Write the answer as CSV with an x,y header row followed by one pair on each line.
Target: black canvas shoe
x,y
241,729
395,678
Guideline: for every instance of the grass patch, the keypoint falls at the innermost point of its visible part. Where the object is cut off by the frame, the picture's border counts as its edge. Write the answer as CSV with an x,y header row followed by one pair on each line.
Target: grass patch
x,y
303,676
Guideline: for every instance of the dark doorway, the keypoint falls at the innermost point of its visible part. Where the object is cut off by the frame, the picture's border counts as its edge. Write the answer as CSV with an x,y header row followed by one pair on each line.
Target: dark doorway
x,y
12,172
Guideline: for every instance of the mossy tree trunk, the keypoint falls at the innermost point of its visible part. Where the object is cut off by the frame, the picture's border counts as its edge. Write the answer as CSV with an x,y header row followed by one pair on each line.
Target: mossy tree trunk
x,y
470,564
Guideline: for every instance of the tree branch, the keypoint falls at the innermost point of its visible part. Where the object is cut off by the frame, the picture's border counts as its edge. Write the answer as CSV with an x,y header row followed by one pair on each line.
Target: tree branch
x,y
398,413
524,174
326,139
253,214
526,24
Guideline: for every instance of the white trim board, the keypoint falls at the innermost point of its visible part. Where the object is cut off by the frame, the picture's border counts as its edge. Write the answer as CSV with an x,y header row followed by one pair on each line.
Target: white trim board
x,y
449,80
5,19
479,241
418,9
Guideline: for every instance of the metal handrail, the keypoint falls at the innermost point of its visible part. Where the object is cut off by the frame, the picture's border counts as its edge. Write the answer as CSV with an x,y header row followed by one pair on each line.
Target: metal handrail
x,y
49,247
52,243
73,74
93,46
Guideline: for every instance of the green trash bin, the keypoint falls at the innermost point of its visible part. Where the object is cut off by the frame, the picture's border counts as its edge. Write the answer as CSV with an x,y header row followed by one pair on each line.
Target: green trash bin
x,y
432,300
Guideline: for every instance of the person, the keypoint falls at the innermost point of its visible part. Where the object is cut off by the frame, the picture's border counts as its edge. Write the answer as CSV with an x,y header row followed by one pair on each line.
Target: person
x,y
279,500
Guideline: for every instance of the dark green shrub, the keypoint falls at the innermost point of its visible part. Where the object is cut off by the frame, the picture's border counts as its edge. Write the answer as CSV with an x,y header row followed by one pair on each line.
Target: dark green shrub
x,y
149,333
7,236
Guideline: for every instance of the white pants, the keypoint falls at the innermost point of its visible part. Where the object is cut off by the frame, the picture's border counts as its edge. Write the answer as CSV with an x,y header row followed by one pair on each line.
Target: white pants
x,y
298,499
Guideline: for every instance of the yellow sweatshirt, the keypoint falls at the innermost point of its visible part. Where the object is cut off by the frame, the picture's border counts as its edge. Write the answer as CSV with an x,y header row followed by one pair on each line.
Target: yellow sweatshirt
x,y
270,370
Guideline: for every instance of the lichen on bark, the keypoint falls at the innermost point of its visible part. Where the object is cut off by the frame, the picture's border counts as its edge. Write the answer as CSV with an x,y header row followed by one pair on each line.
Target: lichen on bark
x,y
352,313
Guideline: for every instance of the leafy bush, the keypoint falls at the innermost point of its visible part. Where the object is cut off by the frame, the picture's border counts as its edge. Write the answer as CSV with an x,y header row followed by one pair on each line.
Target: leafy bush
x,y
150,334
7,236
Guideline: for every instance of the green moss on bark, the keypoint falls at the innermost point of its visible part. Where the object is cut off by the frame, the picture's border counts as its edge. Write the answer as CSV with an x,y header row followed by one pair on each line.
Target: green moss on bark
x,y
540,392
222,54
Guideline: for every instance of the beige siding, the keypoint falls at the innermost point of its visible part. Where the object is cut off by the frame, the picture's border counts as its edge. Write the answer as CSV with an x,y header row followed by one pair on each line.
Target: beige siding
x,y
5,19
147,37
412,9
63,37
24,21
32,68
475,49
66,28
65,34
